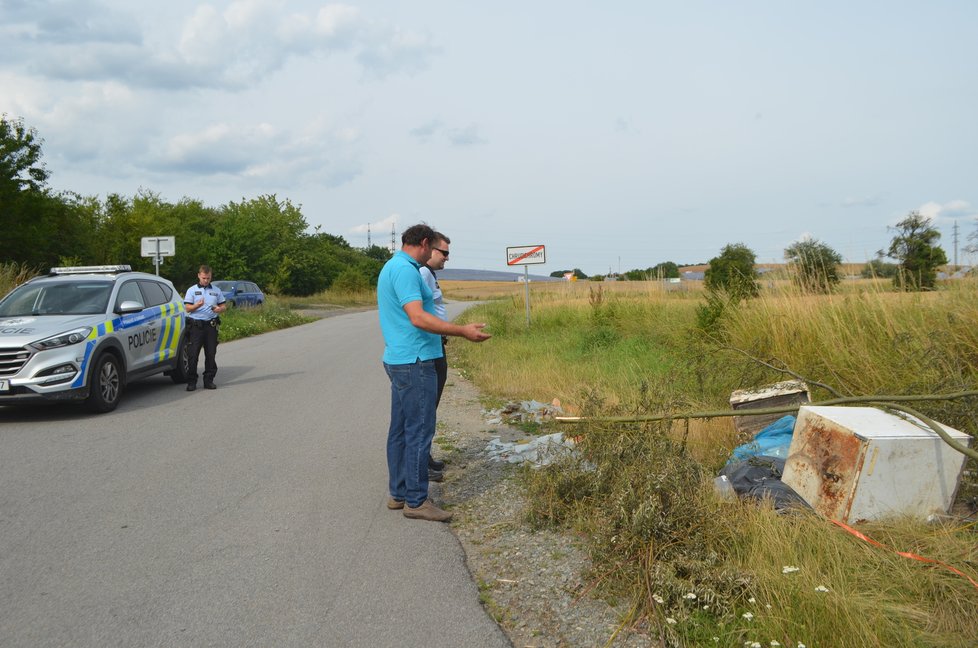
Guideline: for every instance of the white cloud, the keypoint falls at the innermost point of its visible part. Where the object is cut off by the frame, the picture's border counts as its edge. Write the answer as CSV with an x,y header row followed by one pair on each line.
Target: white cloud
x,y
264,154
231,48
462,136
865,201
427,130
468,136
392,50
951,210
377,227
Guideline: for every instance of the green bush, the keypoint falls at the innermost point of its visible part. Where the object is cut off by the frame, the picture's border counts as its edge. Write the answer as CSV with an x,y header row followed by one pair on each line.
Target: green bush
x,y
351,280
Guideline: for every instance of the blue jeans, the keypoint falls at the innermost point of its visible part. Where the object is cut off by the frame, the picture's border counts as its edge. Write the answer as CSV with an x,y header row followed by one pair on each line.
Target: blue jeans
x,y
414,391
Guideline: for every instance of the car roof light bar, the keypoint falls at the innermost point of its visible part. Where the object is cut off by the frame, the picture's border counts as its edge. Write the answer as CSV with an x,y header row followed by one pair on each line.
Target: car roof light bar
x,y
102,269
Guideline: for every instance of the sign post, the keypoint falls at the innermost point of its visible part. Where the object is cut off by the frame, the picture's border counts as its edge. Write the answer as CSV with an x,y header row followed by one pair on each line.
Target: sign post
x,y
158,247
526,255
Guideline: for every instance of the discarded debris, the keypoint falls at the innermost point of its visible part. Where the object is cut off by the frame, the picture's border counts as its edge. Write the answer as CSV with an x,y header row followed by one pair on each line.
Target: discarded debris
x,y
773,441
788,392
759,478
541,451
530,411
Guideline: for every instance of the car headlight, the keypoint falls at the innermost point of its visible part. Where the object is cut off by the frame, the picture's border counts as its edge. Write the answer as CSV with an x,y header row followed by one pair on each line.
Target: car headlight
x,y
63,339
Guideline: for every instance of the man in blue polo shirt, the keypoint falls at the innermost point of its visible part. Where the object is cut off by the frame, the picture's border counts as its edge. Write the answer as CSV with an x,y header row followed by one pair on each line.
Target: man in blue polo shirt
x,y
412,343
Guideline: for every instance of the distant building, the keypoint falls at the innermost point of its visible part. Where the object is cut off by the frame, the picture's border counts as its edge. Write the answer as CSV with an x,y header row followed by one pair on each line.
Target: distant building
x,y
960,273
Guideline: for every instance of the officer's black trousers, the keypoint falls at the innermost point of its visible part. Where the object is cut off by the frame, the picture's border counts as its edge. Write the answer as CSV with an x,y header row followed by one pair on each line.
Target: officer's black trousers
x,y
199,336
441,371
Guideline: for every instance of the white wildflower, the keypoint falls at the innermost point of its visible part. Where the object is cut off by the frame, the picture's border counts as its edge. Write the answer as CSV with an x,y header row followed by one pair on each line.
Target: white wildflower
x,y
716,639
821,588
801,645
658,599
774,643
690,596
789,569
768,606
670,621
706,607
747,615
752,600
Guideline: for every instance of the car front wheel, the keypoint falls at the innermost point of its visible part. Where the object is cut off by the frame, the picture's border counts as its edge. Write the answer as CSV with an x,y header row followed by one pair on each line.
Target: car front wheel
x,y
105,384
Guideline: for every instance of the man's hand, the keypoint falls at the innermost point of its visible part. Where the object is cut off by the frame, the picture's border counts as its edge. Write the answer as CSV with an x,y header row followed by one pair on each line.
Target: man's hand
x,y
473,332
428,322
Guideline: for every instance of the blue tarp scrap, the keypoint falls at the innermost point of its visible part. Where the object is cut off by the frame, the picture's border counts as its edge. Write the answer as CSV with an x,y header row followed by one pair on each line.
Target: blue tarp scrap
x,y
772,441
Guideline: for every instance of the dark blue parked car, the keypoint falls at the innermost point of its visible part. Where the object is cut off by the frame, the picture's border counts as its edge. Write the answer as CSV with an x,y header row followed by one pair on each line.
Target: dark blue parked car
x,y
241,293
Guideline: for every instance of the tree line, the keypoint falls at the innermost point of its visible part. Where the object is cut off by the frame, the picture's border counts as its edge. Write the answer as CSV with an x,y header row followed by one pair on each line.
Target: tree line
x,y
812,264
264,239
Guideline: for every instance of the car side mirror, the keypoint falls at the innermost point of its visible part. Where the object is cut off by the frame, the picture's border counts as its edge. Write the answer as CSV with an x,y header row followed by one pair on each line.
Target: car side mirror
x,y
129,306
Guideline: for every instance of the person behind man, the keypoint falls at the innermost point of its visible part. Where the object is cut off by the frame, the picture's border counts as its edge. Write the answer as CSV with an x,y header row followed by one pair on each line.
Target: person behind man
x,y
439,255
412,342
203,303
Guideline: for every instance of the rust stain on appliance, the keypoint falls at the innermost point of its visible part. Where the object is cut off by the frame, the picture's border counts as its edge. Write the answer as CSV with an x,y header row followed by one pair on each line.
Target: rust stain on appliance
x,y
832,463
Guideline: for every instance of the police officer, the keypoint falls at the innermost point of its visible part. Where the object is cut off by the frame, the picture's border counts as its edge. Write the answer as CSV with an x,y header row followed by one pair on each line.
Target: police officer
x,y
203,303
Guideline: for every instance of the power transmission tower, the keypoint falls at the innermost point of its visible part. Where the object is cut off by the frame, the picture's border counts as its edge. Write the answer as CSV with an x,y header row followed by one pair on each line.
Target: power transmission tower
x,y
392,238
955,245
368,236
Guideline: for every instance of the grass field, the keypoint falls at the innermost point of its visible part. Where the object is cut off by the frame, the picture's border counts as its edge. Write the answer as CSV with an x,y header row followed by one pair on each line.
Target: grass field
x,y
698,570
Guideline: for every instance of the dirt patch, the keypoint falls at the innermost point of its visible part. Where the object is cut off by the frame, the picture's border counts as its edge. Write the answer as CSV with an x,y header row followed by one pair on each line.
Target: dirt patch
x,y
530,581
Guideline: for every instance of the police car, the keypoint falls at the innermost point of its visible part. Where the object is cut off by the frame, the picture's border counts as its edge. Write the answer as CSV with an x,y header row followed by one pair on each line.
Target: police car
x,y
83,333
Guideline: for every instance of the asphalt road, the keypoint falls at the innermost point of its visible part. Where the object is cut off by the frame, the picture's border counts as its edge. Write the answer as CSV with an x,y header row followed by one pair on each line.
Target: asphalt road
x,y
253,515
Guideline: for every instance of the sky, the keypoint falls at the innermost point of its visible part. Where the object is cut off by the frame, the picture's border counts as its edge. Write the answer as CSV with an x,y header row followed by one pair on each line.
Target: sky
x,y
618,134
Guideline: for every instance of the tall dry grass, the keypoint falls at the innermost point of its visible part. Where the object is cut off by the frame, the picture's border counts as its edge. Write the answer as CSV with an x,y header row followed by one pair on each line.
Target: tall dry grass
x,y
696,568
14,274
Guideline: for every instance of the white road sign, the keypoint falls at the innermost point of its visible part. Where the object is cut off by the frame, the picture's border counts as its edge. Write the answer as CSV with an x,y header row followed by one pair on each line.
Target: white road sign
x,y
159,246
526,255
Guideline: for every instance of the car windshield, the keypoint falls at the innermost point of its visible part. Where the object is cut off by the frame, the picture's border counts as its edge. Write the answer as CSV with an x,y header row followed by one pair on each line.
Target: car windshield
x,y
224,286
57,298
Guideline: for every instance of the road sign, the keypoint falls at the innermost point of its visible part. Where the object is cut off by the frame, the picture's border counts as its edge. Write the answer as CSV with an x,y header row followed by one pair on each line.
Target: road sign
x,y
159,246
526,255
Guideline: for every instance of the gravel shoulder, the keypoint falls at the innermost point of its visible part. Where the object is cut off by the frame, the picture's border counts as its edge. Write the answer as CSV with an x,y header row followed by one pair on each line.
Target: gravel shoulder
x,y
530,581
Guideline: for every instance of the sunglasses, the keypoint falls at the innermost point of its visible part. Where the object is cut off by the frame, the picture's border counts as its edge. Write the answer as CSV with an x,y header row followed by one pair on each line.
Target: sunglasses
x,y
444,253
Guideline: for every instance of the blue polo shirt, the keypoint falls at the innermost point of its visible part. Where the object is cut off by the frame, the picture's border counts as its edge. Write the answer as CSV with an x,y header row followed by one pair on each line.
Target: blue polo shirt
x,y
213,296
400,283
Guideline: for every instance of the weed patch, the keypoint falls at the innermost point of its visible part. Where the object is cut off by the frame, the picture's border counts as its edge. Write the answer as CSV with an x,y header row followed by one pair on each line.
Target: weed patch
x,y
694,569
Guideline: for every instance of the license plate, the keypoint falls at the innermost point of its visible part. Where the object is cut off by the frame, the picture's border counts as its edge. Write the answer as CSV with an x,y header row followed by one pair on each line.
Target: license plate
x,y
4,385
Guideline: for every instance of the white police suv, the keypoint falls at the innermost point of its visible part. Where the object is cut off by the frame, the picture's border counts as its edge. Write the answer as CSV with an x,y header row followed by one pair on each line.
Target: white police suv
x,y
83,333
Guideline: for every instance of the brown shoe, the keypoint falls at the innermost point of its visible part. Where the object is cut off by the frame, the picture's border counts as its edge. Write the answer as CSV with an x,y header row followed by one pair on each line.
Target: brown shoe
x,y
395,504
427,511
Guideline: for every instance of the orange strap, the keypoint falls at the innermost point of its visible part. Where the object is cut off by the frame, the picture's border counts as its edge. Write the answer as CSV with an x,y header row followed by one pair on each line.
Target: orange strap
x,y
905,554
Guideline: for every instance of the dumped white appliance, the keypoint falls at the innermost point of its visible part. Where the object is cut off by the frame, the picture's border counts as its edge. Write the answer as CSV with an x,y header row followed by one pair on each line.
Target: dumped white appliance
x,y
861,463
